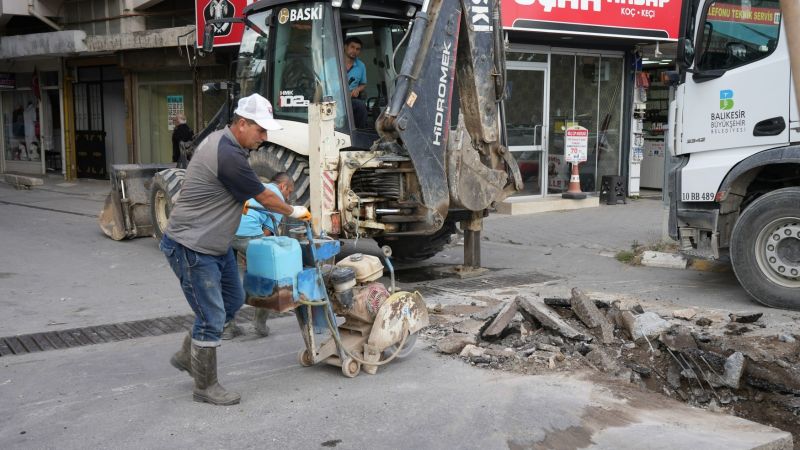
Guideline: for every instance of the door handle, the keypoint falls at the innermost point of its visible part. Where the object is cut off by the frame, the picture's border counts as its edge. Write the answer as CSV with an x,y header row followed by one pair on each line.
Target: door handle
x,y
536,133
770,127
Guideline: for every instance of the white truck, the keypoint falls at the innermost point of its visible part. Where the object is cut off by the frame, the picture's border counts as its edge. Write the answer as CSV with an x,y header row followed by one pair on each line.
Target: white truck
x,y
735,129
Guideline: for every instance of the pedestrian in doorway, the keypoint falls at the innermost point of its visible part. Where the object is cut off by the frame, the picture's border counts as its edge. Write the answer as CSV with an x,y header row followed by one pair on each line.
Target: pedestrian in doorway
x,y
197,241
181,133
256,224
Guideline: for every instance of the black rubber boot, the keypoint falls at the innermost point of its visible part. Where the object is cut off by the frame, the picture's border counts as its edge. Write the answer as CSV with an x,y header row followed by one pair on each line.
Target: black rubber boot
x,y
182,359
260,321
206,387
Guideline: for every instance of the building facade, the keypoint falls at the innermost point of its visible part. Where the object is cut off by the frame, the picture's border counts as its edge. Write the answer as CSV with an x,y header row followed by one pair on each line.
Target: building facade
x,y
85,84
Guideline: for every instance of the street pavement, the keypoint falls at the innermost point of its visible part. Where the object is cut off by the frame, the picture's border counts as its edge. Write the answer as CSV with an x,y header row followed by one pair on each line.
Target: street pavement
x,y
58,271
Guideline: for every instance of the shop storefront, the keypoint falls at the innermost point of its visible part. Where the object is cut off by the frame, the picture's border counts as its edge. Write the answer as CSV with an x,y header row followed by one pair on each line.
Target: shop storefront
x,y
573,64
551,90
30,119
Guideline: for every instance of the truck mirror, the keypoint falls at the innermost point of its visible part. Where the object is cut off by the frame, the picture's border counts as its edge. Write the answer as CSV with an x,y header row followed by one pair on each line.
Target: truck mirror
x,y
208,38
685,52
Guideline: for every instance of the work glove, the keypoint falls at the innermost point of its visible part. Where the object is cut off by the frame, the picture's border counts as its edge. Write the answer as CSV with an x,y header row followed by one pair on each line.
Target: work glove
x,y
300,212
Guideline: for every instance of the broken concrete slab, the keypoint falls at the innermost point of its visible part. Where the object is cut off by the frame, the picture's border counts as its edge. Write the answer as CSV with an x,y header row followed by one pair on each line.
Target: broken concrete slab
x,y
535,310
471,327
745,317
648,324
734,369
773,378
560,302
704,321
454,343
678,339
472,351
602,360
488,313
664,260
501,321
587,312
685,314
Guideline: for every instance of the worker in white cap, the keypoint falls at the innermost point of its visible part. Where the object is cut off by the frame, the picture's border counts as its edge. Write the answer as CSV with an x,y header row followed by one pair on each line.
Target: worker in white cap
x,y
197,241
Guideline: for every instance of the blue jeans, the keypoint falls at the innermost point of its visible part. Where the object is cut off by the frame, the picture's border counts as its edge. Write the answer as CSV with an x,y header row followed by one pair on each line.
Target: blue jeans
x,y
211,285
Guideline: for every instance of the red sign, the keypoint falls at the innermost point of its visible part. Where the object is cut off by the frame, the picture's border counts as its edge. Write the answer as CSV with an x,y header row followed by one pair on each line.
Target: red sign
x,y
736,13
648,19
226,33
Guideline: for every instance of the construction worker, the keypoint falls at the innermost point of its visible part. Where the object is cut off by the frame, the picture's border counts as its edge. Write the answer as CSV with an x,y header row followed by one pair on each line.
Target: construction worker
x,y
197,241
256,224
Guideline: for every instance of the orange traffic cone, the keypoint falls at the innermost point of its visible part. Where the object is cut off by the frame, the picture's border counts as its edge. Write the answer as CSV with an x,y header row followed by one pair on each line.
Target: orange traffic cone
x,y
574,189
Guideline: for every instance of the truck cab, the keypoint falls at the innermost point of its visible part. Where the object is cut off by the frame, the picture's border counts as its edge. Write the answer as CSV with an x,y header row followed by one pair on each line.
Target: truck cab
x,y
735,191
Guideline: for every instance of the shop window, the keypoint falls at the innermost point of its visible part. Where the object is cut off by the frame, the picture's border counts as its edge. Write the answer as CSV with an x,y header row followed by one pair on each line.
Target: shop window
x,y
161,96
22,134
585,90
738,32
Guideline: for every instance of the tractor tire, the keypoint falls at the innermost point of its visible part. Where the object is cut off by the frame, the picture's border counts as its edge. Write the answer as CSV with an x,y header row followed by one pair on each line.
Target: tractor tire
x,y
418,248
765,249
164,193
271,159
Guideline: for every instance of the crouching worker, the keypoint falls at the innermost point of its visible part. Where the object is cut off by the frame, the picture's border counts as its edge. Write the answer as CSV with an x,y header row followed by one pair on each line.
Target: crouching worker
x,y
256,224
197,241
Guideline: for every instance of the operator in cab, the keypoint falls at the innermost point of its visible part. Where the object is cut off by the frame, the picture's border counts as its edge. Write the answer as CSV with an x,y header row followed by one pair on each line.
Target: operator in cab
x,y
197,241
356,79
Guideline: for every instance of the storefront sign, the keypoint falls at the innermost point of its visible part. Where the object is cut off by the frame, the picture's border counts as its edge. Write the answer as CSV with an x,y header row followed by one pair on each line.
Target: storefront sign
x,y
649,19
576,144
737,13
226,33
8,80
174,107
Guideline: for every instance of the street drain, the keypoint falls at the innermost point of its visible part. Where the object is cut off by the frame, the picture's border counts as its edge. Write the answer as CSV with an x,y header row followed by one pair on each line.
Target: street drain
x,y
99,334
489,282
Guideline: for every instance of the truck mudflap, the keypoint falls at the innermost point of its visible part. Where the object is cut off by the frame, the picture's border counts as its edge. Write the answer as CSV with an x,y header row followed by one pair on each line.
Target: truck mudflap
x,y
126,212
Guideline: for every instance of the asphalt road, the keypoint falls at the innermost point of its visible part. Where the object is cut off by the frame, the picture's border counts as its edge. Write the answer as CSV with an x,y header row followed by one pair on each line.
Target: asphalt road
x,y
58,271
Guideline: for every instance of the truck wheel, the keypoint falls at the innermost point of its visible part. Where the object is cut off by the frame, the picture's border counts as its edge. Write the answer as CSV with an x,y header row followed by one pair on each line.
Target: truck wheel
x,y
271,159
418,248
765,249
164,194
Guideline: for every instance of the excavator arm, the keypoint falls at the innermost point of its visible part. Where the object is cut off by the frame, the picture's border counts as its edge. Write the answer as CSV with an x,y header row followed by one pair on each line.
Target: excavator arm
x,y
471,168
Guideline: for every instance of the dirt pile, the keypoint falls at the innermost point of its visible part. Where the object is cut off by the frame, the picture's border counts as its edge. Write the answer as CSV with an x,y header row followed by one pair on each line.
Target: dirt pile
x,y
729,363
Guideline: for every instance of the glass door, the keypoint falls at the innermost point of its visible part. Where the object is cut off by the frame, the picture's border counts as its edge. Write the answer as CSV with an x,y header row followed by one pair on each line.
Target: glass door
x,y
526,122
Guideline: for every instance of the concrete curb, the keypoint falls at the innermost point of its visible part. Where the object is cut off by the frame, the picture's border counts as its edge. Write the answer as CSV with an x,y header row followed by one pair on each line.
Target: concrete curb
x,y
22,181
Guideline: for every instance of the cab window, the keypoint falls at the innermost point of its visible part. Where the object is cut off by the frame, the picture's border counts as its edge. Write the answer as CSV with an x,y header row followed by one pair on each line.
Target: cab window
x,y
305,68
738,32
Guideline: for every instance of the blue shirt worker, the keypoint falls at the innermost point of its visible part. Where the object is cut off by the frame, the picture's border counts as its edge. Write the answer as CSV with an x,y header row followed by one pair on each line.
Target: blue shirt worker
x,y
254,225
197,241
356,79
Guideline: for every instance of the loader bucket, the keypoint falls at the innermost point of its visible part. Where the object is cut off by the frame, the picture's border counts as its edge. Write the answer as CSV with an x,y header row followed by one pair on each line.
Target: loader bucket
x,y
126,213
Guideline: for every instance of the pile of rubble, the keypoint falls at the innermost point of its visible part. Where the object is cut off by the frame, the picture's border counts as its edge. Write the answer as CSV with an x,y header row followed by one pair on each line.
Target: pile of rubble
x,y
702,359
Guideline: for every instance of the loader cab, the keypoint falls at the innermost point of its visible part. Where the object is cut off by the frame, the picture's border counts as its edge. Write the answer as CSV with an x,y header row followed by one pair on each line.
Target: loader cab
x,y
296,58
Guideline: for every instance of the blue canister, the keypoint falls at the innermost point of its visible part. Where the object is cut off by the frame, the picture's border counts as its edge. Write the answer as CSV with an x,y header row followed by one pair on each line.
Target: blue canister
x,y
274,257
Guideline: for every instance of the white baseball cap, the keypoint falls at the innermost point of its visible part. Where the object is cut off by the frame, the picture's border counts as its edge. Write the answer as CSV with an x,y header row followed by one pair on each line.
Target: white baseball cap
x,y
259,110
